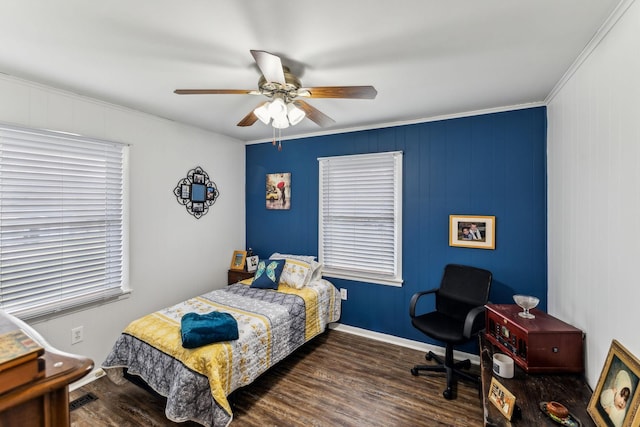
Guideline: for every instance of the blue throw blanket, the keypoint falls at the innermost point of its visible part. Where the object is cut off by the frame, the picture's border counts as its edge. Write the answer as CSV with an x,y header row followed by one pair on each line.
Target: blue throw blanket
x,y
202,329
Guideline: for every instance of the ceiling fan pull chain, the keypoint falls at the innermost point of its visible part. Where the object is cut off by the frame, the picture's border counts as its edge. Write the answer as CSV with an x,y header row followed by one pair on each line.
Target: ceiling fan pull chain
x,y
279,139
274,137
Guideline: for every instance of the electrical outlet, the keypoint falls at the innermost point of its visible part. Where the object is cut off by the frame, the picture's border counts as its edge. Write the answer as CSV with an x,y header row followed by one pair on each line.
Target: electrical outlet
x,y
77,334
343,293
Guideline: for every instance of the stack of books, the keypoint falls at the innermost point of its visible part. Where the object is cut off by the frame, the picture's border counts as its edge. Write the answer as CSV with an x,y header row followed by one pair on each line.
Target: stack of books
x,y
20,361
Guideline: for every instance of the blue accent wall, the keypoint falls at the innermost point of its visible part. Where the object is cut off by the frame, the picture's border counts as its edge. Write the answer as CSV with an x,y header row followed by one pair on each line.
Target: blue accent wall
x,y
492,164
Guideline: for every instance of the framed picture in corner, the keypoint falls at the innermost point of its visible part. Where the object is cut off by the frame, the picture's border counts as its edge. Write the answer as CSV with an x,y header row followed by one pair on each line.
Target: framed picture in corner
x,y
615,399
237,261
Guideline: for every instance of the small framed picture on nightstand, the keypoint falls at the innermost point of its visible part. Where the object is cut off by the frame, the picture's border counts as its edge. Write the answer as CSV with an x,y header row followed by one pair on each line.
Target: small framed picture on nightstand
x,y
252,263
237,262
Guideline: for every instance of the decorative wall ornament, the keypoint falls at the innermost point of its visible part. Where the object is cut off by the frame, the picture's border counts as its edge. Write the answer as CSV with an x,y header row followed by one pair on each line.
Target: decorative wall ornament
x,y
196,192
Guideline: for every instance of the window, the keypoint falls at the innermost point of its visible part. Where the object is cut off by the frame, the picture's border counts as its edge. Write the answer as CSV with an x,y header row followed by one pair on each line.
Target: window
x,y
360,227
62,228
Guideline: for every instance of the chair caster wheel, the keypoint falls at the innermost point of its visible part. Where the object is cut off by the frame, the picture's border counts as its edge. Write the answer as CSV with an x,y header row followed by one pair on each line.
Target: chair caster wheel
x,y
428,356
414,372
448,394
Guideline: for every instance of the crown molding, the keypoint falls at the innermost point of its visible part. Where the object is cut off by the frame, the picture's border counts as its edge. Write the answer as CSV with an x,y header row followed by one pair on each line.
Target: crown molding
x,y
598,37
404,123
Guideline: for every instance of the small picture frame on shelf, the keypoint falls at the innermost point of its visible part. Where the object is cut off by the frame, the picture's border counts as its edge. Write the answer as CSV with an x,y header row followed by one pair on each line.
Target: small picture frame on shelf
x,y
252,263
616,399
502,398
237,261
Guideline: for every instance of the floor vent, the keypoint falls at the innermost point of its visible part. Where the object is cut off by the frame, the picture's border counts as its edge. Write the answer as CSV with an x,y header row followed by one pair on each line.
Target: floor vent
x,y
82,400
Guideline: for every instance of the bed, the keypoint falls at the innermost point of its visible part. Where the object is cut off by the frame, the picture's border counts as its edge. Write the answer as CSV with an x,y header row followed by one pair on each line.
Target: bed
x,y
271,323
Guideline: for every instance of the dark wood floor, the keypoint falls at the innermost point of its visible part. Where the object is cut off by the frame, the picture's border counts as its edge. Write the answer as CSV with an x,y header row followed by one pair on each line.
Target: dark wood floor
x,y
337,379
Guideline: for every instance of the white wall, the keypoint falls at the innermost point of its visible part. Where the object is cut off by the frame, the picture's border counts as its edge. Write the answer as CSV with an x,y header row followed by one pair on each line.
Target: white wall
x,y
594,192
173,256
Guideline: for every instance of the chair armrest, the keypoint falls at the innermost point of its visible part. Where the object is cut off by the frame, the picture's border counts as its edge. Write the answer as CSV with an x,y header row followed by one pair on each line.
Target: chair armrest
x,y
415,298
470,320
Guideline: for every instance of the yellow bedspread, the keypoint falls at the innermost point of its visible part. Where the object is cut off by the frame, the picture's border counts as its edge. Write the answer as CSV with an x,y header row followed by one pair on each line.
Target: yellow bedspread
x,y
271,325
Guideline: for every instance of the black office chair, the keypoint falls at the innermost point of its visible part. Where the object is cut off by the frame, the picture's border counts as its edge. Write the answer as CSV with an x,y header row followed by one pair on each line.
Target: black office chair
x,y
459,316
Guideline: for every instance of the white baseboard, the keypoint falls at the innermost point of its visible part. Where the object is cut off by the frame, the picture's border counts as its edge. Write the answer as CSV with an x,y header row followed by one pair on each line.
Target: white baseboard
x,y
415,345
92,376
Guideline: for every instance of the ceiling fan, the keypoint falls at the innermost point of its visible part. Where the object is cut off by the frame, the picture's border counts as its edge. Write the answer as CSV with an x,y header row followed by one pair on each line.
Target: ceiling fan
x,y
285,106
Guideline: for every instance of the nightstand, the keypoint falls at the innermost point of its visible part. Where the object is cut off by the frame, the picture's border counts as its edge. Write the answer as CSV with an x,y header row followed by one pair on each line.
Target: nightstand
x,y
234,276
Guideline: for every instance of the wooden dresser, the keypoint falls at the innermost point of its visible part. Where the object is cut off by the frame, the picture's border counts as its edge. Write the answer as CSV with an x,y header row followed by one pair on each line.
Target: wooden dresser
x,y
43,400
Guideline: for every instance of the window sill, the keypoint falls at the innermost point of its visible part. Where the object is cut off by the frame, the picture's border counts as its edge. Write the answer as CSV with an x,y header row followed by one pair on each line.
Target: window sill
x,y
363,278
39,316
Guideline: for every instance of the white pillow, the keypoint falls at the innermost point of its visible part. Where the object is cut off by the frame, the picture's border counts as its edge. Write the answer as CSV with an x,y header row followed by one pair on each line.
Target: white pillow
x,y
306,258
317,273
299,270
295,274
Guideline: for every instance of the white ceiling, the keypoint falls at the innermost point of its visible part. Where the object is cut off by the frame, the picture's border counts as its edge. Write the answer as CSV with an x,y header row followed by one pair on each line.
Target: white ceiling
x,y
426,58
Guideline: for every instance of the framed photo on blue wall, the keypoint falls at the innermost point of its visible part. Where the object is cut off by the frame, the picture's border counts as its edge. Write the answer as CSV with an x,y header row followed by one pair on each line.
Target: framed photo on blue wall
x,y
472,231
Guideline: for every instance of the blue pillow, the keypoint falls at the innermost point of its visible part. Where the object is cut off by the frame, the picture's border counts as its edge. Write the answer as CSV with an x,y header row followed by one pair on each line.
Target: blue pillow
x,y
202,329
268,274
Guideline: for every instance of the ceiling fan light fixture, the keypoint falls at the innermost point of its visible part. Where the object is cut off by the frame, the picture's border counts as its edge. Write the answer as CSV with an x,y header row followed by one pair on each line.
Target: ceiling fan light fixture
x,y
294,114
262,113
277,107
280,122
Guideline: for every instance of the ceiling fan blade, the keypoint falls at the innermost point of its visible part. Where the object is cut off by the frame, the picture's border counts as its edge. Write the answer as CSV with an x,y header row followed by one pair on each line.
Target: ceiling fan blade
x,y
314,114
270,65
355,92
216,92
250,118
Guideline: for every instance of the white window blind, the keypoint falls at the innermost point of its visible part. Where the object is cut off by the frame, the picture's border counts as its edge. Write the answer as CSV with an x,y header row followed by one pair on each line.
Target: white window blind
x,y
360,227
62,241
